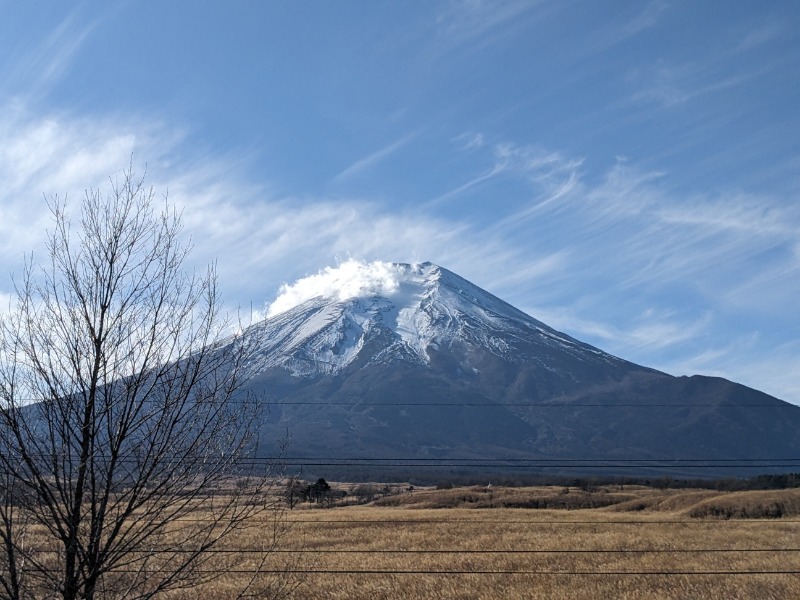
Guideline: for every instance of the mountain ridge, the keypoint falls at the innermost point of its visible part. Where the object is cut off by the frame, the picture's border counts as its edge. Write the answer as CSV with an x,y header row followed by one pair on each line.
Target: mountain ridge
x,y
432,366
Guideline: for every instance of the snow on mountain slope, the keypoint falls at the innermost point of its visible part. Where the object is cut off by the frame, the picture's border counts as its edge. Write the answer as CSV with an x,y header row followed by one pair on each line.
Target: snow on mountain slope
x,y
321,324
401,360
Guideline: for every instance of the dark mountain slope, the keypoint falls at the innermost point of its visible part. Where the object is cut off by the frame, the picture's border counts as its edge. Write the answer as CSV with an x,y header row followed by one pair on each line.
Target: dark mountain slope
x,y
441,369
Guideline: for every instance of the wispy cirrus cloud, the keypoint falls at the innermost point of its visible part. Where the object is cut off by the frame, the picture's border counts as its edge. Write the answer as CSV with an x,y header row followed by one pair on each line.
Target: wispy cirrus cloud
x,y
42,156
601,258
469,140
743,360
257,237
652,330
761,34
466,20
670,86
548,170
645,19
745,213
42,64
628,231
640,18
689,266
464,187
374,158
727,65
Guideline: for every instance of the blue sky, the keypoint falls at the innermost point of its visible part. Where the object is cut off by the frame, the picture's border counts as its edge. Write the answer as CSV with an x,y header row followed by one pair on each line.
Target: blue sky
x,y
627,172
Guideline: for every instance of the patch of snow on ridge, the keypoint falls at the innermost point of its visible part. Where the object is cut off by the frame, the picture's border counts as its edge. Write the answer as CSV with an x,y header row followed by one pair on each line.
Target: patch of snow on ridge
x,y
351,279
413,325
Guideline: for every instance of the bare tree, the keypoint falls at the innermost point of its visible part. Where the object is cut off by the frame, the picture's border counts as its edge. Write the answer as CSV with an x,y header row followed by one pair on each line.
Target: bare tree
x,y
122,417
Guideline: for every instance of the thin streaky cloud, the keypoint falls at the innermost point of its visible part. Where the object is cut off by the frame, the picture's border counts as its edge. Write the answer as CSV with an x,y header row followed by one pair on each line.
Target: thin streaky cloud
x,y
469,140
756,216
374,158
549,170
779,367
55,154
646,19
605,38
457,191
535,268
660,240
470,19
48,61
562,192
649,331
669,85
761,35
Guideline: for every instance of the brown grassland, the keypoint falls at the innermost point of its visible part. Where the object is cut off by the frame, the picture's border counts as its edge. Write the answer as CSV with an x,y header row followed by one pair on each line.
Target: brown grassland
x,y
535,542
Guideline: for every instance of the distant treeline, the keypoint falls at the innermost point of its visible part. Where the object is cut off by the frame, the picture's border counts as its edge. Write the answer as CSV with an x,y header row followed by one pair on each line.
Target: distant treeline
x,y
447,478
760,482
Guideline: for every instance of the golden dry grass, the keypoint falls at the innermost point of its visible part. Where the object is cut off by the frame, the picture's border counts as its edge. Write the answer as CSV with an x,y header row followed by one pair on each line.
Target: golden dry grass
x,y
647,546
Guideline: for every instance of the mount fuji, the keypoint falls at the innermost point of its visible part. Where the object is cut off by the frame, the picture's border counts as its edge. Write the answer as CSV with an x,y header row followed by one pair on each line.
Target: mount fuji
x,y
412,363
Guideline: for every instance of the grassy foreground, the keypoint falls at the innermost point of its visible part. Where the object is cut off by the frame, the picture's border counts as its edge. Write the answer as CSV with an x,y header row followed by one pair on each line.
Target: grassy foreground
x,y
637,543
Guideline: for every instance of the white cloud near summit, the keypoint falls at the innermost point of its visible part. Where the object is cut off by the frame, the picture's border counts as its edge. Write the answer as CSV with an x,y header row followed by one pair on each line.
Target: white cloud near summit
x,y
351,279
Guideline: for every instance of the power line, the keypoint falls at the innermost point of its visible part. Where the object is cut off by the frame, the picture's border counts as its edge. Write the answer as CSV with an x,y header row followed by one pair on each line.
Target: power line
x,y
410,461
486,572
505,572
524,404
535,465
471,462
554,460
446,521
459,551
484,463
532,551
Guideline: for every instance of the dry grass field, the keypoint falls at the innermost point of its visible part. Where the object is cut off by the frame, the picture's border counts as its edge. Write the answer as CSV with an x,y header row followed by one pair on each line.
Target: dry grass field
x,y
482,543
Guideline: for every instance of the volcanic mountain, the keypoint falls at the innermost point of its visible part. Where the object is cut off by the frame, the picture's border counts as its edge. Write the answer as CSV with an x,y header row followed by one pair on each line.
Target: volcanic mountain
x,y
429,367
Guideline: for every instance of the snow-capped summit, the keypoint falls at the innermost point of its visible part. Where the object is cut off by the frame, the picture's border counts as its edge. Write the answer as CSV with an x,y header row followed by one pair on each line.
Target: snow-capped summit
x,y
322,323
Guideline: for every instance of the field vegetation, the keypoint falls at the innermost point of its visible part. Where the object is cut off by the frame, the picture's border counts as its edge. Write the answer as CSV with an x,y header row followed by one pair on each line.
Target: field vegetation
x,y
537,542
